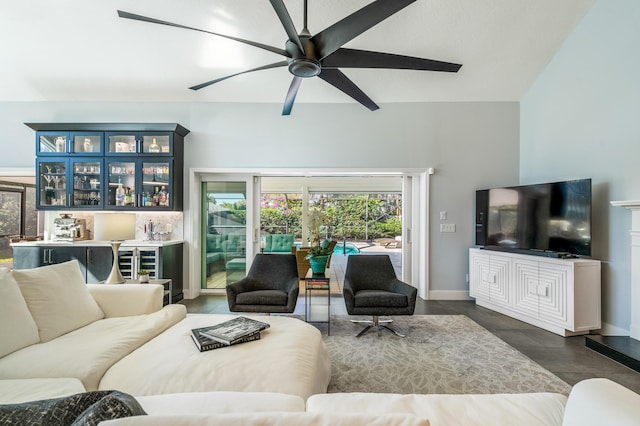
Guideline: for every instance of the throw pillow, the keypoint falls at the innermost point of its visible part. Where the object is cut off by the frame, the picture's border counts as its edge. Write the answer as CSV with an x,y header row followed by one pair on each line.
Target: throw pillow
x,y
58,298
17,327
83,409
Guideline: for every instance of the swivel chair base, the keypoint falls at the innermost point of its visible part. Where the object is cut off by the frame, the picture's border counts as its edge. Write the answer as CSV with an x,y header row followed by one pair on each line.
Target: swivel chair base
x,y
376,322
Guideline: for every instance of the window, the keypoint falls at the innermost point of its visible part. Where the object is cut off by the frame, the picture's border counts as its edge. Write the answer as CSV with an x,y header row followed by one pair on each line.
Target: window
x,y
18,216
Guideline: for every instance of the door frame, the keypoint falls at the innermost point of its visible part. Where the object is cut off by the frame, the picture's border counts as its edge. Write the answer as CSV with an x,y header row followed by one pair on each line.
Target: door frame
x,y
415,220
252,244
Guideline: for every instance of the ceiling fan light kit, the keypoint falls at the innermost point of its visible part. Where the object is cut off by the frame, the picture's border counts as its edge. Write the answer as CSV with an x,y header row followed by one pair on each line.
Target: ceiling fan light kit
x,y
322,55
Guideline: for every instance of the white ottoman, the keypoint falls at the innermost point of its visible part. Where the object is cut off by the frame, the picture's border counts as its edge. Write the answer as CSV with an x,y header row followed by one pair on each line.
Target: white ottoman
x,y
290,358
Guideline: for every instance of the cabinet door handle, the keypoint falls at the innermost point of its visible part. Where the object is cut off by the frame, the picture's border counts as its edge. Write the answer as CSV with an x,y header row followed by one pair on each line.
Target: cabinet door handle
x,y
50,256
89,254
44,256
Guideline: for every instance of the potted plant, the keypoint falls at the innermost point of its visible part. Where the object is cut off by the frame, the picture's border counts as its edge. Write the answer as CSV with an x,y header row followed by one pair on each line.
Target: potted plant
x,y
319,251
143,276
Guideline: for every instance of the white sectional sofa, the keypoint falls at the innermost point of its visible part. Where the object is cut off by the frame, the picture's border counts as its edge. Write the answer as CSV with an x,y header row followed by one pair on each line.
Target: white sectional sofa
x,y
54,326
60,337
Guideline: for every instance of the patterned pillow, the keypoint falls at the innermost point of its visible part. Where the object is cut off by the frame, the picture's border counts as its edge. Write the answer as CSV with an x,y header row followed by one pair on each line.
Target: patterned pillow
x,y
86,409
58,298
17,327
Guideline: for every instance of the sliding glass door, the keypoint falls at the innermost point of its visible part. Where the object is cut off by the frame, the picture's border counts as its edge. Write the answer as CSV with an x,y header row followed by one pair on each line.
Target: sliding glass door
x,y
383,214
224,232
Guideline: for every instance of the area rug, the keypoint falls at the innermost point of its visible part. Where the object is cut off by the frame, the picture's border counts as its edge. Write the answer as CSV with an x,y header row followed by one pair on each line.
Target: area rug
x,y
442,354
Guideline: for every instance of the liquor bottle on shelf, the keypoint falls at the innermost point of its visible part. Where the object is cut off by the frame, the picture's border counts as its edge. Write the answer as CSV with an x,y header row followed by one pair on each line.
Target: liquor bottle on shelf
x,y
154,147
120,194
162,197
156,196
128,197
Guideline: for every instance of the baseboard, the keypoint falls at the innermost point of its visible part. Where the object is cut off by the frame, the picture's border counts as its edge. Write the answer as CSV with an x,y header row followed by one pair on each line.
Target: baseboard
x,y
449,295
611,330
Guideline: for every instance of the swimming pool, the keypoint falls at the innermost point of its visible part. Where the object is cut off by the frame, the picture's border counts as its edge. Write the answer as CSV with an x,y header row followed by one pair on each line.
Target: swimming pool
x,y
338,249
349,248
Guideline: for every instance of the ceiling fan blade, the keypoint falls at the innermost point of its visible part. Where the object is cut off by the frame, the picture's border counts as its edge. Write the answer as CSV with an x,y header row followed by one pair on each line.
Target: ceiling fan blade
x,y
287,23
291,95
217,80
135,17
340,81
352,58
332,38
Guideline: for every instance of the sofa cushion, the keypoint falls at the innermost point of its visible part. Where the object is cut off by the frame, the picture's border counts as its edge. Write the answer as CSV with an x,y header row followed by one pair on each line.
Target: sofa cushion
x,y
214,242
274,419
278,243
15,391
58,298
219,402
88,352
123,300
17,327
380,298
529,409
595,402
262,297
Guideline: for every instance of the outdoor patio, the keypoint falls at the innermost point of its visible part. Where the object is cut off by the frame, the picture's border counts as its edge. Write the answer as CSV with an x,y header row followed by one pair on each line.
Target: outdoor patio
x,y
337,267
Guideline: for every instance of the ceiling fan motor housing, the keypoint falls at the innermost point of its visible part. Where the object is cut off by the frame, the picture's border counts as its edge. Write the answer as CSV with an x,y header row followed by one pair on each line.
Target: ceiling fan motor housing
x,y
303,64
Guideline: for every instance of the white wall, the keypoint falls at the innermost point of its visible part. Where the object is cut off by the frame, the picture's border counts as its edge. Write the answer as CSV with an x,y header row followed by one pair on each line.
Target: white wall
x,y
582,119
470,145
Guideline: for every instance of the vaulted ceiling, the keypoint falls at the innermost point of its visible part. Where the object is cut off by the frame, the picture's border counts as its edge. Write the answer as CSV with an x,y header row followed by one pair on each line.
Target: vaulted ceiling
x,y
79,50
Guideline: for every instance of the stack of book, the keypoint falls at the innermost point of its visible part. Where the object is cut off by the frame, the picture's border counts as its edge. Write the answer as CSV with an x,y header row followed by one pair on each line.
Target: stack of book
x,y
231,332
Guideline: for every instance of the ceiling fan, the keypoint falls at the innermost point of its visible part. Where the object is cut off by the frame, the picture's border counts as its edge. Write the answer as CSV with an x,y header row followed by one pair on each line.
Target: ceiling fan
x,y
322,55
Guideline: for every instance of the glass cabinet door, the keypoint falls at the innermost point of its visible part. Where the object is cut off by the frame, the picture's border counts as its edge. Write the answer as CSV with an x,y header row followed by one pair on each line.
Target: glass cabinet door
x,y
156,190
121,143
52,143
122,183
87,183
154,143
157,144
52,183
86,143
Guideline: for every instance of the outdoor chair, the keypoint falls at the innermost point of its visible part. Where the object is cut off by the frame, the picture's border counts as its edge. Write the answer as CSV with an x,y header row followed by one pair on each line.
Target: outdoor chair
x,y
372,288
271,286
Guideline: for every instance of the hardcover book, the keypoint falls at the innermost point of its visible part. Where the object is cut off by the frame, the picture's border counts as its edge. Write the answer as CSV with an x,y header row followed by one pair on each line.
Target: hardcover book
x,y
204,343
234,330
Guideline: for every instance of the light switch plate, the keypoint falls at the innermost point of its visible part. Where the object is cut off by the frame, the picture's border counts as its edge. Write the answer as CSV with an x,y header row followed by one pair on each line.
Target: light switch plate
x,y
447,227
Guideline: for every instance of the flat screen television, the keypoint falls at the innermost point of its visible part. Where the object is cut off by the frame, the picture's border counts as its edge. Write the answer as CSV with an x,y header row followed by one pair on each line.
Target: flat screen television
x,y
552,219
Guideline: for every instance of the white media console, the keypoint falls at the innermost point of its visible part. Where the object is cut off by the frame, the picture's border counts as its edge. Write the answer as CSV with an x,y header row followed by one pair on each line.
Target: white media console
x,y
558,295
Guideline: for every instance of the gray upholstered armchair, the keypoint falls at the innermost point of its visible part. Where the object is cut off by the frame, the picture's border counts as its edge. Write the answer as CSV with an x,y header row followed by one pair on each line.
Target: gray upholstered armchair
x,y
271,286
371,288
